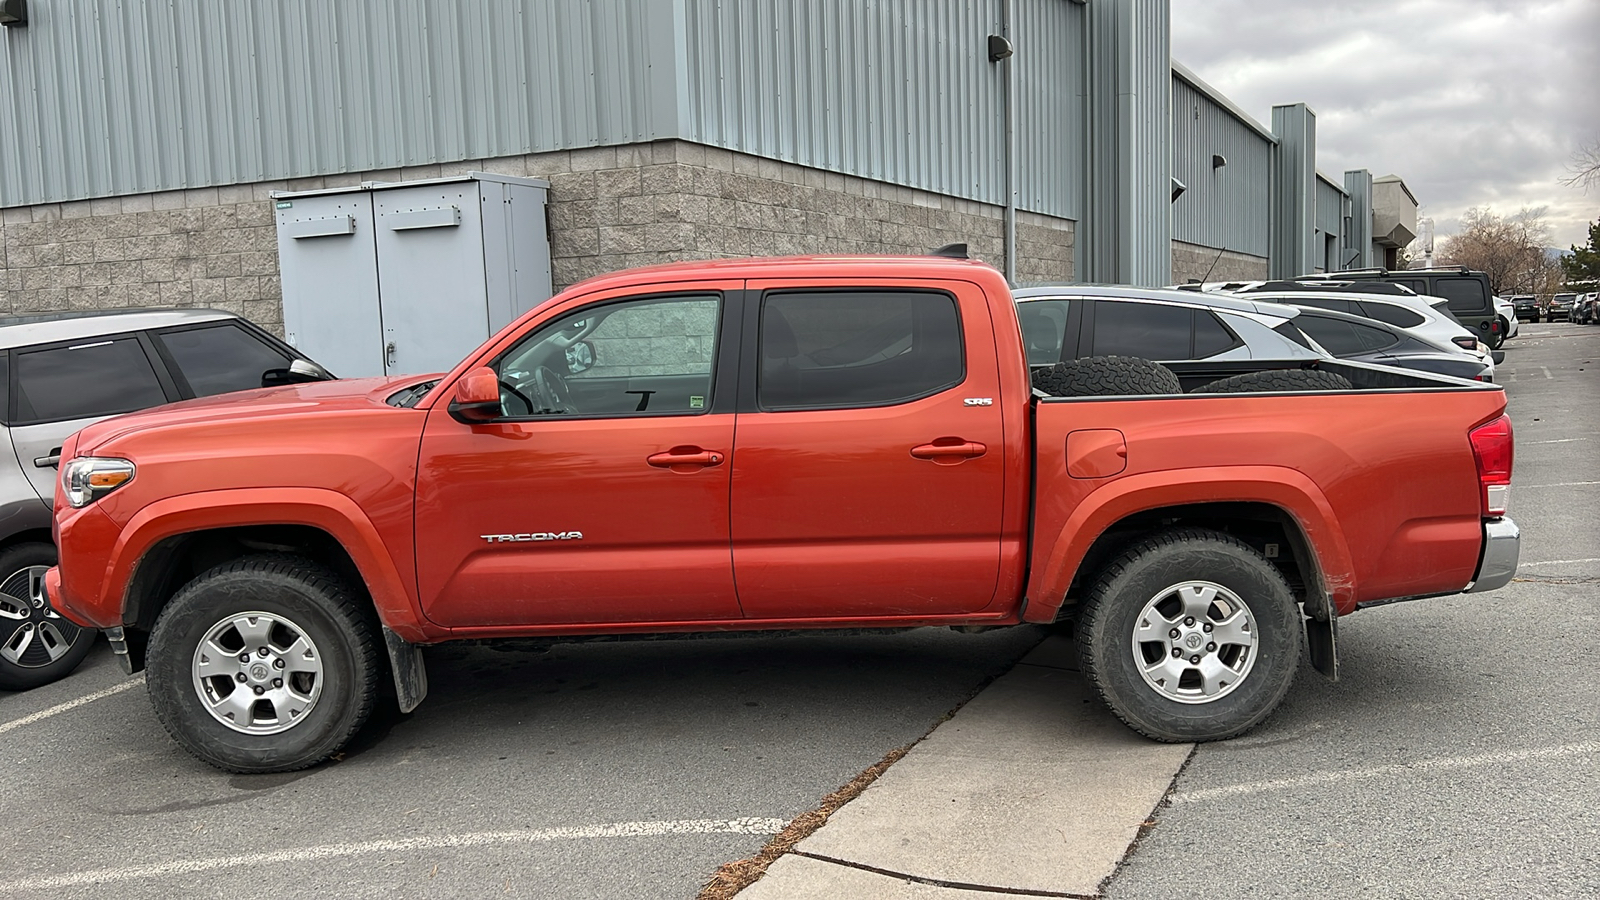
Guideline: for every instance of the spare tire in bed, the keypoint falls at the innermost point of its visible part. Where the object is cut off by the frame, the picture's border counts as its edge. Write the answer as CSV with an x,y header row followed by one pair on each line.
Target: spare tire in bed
x,y
1277,380
1100,376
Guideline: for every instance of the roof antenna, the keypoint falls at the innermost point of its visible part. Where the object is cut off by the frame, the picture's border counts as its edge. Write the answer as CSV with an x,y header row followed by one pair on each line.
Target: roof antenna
x,y
1214,262
952,251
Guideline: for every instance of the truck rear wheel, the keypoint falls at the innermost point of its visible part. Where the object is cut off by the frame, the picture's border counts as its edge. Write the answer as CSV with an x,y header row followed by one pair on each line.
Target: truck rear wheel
x,y
263,664
1190,635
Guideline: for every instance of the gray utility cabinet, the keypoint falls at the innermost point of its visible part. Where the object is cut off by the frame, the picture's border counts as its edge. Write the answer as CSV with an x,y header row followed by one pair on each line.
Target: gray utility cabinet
x,y
408,277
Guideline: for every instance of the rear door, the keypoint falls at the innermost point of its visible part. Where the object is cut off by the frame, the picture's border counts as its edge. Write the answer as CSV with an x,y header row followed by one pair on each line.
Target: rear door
x,y
56,389
868,473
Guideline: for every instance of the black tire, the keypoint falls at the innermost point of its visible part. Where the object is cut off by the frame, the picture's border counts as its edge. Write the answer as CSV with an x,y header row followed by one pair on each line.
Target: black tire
x,y
1099,376
37,644
1277,380
1153,568
307,601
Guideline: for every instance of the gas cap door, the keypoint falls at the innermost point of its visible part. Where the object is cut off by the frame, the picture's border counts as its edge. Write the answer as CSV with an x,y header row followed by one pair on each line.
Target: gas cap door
x,y
1096,453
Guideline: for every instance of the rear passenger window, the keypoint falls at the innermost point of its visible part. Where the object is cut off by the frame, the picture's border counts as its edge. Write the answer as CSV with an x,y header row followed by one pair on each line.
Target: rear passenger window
x,y
1374,338
1464,294
221,358
1336,337
1044,324
837,349
1148,330
94,378
1210,335
1398,316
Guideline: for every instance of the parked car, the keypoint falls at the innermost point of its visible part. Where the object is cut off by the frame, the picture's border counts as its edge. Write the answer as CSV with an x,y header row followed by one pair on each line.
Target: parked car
x,y
68,370
1364,340
1063,323
1561,307
843,443
1468,292
1527,306
1426,317
1584,311
1508,316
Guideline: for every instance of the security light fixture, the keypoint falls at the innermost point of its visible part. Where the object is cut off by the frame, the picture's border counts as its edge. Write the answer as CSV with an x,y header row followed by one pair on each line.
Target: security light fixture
x,y
1218,160
999,48
1178,188
13,12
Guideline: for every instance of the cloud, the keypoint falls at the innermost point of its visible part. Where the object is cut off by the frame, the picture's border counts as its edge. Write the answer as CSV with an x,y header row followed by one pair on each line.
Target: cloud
x,y
1472,102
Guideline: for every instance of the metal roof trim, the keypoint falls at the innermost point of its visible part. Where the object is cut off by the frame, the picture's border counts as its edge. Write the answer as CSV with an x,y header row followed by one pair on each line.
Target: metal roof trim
x,y
1221,99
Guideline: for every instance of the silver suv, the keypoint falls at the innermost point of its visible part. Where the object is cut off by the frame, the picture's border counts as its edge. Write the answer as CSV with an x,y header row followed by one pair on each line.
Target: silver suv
x,y
61,372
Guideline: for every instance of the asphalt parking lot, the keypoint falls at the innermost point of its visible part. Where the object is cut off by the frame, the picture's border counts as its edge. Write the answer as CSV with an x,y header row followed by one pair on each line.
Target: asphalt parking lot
x,y
1453,759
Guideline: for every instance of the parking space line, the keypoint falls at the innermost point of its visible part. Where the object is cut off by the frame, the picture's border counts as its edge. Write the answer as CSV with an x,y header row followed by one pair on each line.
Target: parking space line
x,y
71,704
1546,372
1523,487
1559,562
1559,441
1421,766
758,826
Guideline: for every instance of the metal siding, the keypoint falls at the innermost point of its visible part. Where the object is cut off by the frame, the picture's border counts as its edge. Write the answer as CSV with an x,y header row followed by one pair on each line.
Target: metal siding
x,y
1293,233
1226,208
110,97
1358,243
1330,208
898,90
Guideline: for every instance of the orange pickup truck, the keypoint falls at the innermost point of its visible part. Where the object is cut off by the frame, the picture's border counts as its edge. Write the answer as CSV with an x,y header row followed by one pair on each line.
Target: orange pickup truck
x,y
767,444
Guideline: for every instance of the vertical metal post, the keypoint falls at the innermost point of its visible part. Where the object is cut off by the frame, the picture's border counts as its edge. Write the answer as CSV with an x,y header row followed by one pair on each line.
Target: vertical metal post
x,y
1008,31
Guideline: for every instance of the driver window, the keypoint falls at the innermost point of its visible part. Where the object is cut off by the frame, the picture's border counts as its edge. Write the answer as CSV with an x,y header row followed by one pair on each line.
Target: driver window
x,y
634,357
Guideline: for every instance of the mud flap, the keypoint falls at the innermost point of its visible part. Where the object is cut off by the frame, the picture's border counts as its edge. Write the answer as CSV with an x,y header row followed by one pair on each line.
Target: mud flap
x,y
1321,641
410,677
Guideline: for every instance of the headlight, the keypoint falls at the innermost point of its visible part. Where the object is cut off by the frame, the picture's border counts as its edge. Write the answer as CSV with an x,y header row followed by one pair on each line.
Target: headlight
x,y
88,478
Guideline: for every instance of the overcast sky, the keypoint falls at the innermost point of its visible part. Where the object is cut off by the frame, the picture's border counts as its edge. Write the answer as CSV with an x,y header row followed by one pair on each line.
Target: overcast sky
x,y
1472,102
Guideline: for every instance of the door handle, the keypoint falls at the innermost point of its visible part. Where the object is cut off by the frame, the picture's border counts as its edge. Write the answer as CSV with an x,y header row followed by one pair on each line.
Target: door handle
x,y
51,461
949,450
388,355
685,459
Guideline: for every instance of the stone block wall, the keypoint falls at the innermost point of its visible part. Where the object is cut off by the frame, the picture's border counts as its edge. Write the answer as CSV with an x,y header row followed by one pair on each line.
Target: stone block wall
x,y
610,208
1194,261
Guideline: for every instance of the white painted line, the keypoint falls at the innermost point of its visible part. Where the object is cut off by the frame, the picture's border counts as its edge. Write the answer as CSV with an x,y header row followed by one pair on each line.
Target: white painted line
x,y
1546,372
1421,766
71,704
1523,487
1558,562
1557,441
435,842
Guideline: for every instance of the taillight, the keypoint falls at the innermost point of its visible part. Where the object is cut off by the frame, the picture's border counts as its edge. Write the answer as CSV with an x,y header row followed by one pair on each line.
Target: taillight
x,y
1492,447
1466,342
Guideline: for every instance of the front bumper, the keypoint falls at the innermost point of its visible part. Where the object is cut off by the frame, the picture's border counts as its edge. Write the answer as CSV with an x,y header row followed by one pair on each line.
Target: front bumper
x,y
1502,543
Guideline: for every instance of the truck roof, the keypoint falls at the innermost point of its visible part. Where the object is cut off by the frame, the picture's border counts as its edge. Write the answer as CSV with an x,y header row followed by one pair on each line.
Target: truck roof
x,y
767,267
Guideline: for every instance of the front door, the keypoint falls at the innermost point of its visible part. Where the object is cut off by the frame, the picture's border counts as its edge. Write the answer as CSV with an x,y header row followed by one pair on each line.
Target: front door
x,y
602,495
869,467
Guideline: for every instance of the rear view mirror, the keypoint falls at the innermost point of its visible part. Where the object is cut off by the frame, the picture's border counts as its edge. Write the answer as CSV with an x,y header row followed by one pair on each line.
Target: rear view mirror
x,y
580,357
477,397
299,371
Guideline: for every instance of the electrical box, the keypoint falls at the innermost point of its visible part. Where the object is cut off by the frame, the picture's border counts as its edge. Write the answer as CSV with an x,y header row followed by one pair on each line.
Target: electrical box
x,y
408,277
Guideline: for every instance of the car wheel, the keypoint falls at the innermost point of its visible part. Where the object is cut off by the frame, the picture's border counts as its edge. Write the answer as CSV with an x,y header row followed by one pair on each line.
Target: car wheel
x,y
1277,380
264,664
37,644
1099,376
1190,635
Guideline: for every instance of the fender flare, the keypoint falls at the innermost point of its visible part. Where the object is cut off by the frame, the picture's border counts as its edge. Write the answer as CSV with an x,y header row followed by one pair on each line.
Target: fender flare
x,y
329,511
1284,488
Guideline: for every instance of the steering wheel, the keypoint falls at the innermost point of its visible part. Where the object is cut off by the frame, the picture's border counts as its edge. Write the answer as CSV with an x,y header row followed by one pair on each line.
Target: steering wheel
x,y
552,390
507,388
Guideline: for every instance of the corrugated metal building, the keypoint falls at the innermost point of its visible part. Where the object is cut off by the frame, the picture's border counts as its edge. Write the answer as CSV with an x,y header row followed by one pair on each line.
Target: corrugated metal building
x,y
140,141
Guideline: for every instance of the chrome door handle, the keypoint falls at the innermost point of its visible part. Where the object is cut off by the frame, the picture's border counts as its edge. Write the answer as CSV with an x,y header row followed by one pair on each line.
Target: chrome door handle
x,y
53,461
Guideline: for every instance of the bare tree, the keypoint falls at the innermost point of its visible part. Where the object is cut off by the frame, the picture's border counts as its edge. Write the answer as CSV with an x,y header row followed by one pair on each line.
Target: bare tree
x,y
1510,250
1584,170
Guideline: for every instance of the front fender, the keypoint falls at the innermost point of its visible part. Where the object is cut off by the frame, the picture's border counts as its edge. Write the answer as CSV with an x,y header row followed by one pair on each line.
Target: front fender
x,y
1061,553
392,593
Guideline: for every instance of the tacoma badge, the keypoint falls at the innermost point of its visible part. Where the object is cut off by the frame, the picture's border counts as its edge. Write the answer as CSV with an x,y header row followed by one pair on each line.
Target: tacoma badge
x,y
533,536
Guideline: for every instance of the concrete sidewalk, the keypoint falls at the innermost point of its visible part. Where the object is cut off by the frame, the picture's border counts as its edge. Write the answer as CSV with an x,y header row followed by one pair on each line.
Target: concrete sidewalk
x,y
1032,787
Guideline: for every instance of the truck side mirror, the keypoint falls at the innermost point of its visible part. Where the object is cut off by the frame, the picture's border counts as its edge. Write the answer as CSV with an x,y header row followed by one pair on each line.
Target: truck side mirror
x,y
477,397
580,357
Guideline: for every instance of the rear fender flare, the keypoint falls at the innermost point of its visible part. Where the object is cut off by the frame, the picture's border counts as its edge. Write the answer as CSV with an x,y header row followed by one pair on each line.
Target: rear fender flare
x,y
1286,489
329,511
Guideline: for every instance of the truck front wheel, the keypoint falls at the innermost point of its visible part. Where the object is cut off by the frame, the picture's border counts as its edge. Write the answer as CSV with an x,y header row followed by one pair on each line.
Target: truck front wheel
x,y
263,664
1190,635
